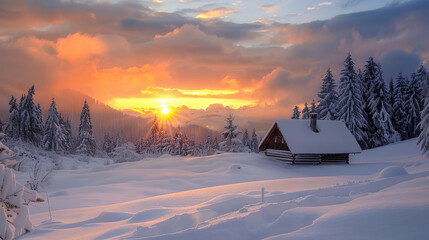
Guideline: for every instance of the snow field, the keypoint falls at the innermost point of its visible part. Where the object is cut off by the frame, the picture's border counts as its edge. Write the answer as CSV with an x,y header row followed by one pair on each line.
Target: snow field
x,y
382,194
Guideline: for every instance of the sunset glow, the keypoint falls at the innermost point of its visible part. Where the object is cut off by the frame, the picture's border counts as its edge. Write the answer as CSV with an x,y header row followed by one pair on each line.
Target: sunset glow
x,y
165,110
193,103
188,55
210,119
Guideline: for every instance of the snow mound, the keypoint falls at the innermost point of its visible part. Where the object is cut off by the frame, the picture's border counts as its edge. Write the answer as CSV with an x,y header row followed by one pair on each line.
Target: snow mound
x,y
235,167
392,171
148,215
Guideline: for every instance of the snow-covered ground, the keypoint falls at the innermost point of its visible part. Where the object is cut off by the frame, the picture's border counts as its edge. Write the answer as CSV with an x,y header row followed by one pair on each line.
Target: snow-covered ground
x,y
382,194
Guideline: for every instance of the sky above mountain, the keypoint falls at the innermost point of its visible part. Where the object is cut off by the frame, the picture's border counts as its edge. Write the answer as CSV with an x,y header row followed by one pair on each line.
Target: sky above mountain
x,y
261,56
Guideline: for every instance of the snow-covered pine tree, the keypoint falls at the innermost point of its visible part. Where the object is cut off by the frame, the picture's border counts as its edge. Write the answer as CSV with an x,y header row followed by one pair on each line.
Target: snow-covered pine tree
x,y
86,142
313,107
350,102
254,142
66,126
413,106
118,140
328,98
296,113
1,125
166,144
13,123
230,141
246,138
153,139
181,143
208,147
54,137
141,146
400,113
305,112
391,95
422,76
382,131
215,144
31,125
39,125
108,144
367,81
423,139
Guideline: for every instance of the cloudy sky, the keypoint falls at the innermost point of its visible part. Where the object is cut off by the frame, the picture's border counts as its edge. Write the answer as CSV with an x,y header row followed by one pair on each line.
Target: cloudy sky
x,y
262,56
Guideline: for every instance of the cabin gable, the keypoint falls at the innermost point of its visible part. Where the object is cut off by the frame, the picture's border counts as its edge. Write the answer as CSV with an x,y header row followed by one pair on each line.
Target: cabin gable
x,y
275,140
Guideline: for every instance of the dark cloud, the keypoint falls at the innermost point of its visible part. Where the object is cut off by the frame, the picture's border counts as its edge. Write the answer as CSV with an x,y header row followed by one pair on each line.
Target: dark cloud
x,y
400,61
350,3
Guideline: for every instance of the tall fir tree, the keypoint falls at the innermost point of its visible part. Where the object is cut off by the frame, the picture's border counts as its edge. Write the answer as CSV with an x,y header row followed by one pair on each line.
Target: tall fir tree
x,y
246,139
422,76
1,125
400,113
66,126
230,141
31,125
413,106
254,142
208,146
154,131
423,139
109,144
86,142
328,98
382,130
305,112
54,136
391,95
215,143
182,143
14,121
367,80
350,102
296,113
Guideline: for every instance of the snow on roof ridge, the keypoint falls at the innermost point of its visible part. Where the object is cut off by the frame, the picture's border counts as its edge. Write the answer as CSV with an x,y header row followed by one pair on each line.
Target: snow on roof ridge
x,y
333,136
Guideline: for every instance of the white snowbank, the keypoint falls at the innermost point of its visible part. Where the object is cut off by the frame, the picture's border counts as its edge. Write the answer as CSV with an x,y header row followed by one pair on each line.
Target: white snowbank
x,y
378,196
392,171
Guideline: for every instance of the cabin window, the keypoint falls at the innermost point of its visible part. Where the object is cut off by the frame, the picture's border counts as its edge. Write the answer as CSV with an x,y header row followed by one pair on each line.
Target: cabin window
x,y
278,139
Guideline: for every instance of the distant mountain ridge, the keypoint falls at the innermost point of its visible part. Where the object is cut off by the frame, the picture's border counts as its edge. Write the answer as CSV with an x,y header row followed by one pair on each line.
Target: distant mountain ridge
x,y
107,120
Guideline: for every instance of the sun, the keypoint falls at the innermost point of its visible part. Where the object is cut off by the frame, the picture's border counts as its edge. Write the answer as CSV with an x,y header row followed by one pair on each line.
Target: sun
x,y
165,110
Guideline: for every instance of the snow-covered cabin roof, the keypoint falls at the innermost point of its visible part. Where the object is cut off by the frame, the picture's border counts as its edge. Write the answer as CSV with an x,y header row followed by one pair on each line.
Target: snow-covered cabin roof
x,y
333,137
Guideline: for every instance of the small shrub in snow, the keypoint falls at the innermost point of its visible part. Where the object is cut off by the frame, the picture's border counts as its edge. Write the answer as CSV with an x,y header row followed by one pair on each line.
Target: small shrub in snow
x,y
125,153
38,176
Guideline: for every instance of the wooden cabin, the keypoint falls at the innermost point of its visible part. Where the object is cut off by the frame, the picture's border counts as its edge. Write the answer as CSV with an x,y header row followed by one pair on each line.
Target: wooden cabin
x,y
309,141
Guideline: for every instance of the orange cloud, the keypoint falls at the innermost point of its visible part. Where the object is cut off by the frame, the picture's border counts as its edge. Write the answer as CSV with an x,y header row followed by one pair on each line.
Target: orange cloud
x,y
76,47
188,92
215,13
269,8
